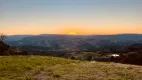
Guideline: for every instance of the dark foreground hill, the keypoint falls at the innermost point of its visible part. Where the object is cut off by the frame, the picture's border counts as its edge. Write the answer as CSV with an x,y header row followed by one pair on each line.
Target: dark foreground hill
x,y
133,55
7,50
3,47
51,68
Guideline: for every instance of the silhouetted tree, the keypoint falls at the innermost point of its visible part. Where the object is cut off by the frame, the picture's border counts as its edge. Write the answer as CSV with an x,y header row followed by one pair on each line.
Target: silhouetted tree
x,y
2,37
72,57
90,58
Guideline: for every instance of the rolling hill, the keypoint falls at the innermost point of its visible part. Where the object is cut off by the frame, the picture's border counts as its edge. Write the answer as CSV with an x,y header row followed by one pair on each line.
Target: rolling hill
x,y
51,68
79,42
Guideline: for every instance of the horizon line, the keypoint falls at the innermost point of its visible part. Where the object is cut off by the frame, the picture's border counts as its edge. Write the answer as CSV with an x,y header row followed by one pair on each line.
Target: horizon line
x,y
74,35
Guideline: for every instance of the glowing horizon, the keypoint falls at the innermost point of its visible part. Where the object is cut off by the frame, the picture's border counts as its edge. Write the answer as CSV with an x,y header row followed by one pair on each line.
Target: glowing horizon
x,y
78,17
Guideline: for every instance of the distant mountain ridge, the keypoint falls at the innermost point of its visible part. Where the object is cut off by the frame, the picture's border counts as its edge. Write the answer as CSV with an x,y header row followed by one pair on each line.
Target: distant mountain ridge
x,y
77,42
16,37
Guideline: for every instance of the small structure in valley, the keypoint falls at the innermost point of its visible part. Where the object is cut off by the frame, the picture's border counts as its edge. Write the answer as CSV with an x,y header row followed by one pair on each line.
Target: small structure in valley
x,y
114,55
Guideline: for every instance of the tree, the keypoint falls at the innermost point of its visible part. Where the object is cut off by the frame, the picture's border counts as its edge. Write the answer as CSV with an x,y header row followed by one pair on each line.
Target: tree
x,y
72,57
90,58
2,37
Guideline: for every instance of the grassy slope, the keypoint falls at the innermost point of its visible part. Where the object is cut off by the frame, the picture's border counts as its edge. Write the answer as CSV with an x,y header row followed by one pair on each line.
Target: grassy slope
x,y
50,68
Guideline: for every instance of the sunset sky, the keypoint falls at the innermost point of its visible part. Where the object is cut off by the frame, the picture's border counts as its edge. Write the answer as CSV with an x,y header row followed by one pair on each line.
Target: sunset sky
x,y
70,16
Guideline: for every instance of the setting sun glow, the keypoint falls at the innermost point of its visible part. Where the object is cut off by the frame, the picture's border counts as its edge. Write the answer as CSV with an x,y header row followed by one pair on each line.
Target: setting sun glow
x,y
71,17
72,33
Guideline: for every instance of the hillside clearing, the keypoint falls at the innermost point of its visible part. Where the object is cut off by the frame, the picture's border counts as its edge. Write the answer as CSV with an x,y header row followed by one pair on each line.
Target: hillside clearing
x,y
52,68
